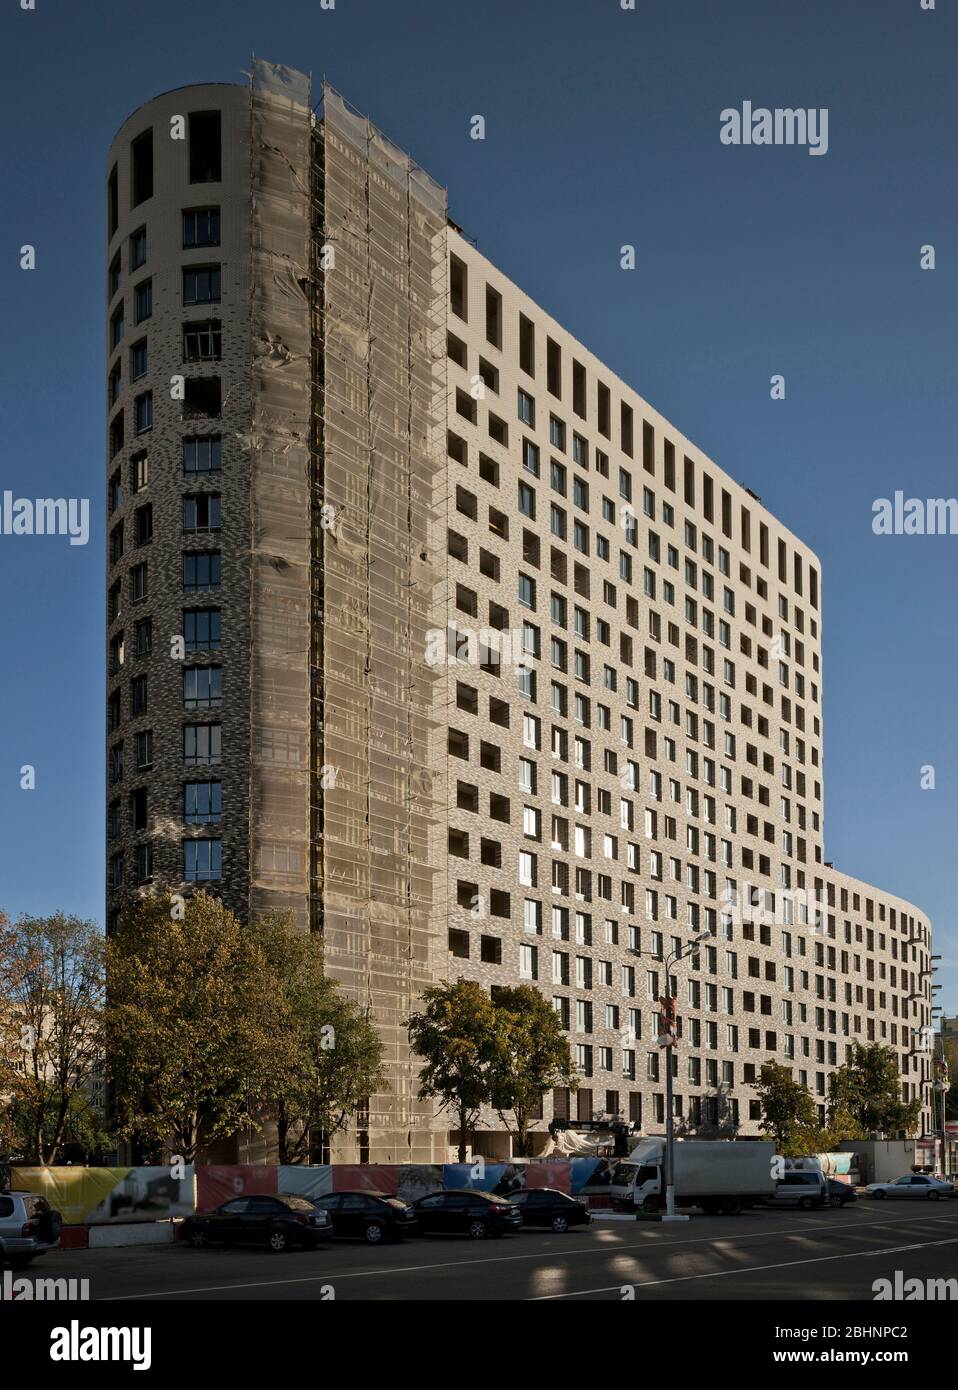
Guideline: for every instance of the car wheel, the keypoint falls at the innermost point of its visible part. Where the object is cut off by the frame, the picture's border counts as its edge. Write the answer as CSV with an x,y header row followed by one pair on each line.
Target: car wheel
x,y
651,1204
278,1241
374,1233
732,1206
198,1239
835,1200
933,1196
878,1195
806,1203
560,1224
478,1230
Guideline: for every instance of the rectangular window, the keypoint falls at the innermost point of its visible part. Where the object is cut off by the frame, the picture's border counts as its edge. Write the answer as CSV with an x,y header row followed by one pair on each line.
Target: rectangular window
x,y
143,525
201,511
141,168
143,862
137,249
202,744
493,317
203,687
201,570
202,454
202,803
205,146
203,342
201,227
139,471
202,629
139,360
139,583
143,637
112,201
143,301
139,691
143,412
201,284
143,745
527,345
202,860
458,288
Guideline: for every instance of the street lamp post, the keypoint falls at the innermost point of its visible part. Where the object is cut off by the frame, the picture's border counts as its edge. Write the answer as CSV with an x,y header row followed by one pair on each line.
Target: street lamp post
x,y
668,1024
940,1084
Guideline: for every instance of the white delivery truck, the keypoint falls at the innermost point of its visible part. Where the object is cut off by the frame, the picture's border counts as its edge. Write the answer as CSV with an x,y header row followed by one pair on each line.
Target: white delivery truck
x,y
716,1175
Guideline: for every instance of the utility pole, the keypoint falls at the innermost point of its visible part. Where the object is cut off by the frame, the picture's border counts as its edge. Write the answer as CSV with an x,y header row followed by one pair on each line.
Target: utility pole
x,y
668,1033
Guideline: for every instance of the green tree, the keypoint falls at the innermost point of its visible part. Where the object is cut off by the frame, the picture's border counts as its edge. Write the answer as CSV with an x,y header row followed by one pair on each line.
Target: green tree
x,y
455,1035
331,1054
868,1090
531,1057
842,1125
51,1019
194,1020
788,1111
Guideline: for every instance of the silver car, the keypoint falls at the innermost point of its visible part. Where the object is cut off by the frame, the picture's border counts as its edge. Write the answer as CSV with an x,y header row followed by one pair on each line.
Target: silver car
x,y
912,1185
803,1188
28,1227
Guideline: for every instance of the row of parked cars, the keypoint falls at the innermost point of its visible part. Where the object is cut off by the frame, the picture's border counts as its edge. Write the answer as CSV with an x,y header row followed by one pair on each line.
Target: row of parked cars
x,y
807,1189
284,1220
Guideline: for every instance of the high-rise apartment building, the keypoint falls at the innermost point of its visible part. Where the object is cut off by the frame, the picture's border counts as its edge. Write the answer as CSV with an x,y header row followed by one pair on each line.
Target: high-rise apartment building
x,y
427,629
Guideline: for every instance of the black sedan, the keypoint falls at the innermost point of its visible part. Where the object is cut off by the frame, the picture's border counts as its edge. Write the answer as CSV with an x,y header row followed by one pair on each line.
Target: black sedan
x,y
475,1214
838,1194
373,1216
279,1221
545,1206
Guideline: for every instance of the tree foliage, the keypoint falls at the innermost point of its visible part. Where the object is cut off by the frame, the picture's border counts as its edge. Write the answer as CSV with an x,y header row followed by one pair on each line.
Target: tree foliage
x,y
531,1057
455,1035
331,1054
51,1017
789,1115
194,1024
867,1089
477,1052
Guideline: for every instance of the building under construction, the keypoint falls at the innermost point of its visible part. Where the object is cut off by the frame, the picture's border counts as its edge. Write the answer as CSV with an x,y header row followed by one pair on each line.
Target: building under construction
x,y
372,438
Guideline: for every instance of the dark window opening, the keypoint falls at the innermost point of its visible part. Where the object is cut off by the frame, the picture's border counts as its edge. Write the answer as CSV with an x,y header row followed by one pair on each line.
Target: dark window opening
x,y
202,396
141,172
205,147
458,285
113,201
493,317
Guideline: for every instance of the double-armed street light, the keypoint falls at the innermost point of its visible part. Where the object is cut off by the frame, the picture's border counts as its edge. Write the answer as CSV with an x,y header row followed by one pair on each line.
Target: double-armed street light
x,y
668,1025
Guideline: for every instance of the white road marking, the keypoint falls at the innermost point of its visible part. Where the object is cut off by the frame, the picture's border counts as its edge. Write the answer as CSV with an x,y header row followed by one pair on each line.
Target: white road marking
x,y
596,1250
748,1269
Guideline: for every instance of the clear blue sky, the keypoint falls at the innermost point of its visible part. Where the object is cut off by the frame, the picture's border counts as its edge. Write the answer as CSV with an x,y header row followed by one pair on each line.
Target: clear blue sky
x,y
602,129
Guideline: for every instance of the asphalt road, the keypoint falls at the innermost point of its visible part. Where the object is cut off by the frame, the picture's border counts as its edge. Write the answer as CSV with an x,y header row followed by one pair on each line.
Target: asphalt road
x,y
761,1255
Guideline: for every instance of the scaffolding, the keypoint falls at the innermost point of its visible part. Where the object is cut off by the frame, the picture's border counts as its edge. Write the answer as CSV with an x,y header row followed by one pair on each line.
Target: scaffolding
x,y
279,483
378,802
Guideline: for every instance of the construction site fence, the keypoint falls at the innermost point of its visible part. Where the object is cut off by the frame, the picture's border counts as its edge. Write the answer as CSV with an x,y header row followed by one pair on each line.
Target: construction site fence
x,y
115,1196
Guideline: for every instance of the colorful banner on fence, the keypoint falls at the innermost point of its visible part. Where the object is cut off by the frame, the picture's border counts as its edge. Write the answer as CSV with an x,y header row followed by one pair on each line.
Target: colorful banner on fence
x,y
105,1196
